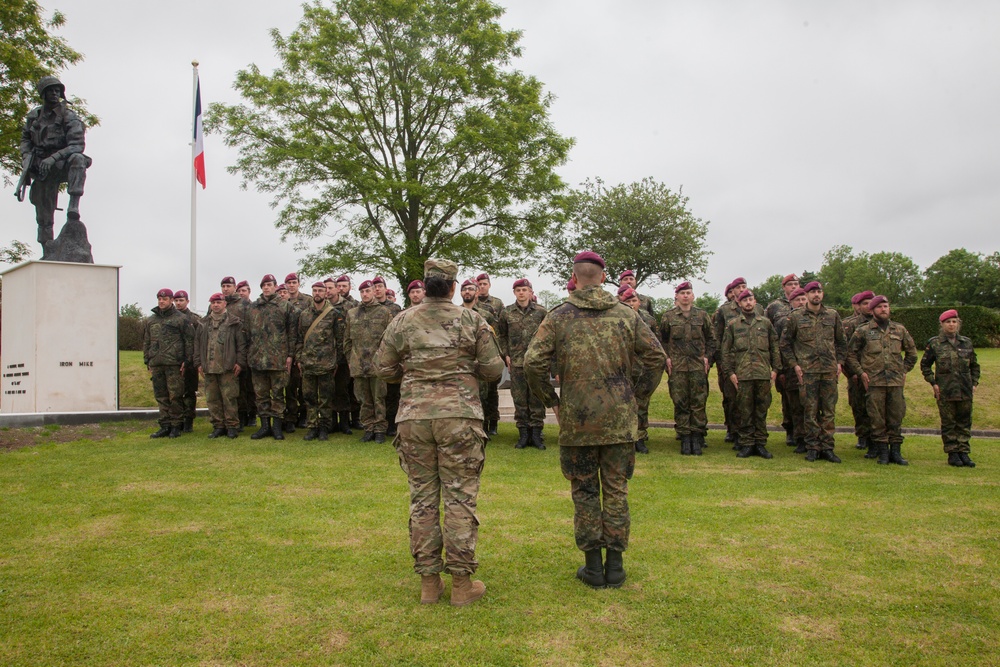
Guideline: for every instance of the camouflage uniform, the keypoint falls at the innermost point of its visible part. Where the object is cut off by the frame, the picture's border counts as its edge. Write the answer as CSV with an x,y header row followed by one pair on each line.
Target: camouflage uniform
x,y
191,371
515,327
493,304
295,406
439,352
787,384
489,394
887,354
365,325
320,350
596,342
815,342
246,402
688,339
855,390
391,390
777,311
750,351
167,342
643,404
270,327
220,345
726,313
951,364
646,305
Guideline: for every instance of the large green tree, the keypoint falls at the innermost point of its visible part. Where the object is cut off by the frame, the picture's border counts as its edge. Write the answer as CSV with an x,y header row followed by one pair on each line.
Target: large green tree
x,y
396,131
893,274
963,278
28,51
643,226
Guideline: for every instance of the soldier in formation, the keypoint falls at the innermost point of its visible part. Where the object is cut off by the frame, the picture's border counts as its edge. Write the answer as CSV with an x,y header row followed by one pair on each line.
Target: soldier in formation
x,y
516,325
270,326
855,392
319,350
167,348
778,310
364,327
628,296
220,355
789,379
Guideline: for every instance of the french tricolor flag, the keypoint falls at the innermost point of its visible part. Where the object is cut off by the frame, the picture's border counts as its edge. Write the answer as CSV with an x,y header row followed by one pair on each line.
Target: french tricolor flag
x,y
199,141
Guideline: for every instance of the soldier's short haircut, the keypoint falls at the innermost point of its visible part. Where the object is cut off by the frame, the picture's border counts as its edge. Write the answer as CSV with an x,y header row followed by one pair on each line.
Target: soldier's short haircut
x,y
587,273
436,286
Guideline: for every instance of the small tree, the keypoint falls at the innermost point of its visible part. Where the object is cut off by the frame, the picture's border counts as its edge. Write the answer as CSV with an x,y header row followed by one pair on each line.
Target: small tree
x,y
963,278
708,302
769,290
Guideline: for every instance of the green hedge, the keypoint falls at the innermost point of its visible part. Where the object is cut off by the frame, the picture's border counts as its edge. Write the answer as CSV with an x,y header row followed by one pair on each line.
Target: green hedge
x,y
129,333
980,324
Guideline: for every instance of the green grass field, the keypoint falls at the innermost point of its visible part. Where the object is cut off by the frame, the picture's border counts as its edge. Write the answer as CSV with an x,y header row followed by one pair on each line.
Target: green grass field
x,y
120,550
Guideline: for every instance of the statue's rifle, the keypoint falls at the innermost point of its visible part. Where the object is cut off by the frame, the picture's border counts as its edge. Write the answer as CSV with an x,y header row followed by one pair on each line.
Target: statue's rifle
x,y
25,180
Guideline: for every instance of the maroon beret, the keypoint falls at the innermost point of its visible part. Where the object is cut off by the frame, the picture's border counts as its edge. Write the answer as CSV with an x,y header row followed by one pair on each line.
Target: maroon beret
x,y
948,314
281,288
683,286
216,297
739,281
319,284
622,288
796,293
626,294
729,288
878,300
522,282
589,257
416,284
242,283
861,296
390,292
344,279
181,294
626,272
291,276
365,285
744,294
268,279
571,285
165,292
789,278
228,280
329,280
482,276
814,285
378,280
469,282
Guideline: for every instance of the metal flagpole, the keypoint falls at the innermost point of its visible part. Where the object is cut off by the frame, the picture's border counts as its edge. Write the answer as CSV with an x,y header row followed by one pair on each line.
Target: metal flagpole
x,y
194,189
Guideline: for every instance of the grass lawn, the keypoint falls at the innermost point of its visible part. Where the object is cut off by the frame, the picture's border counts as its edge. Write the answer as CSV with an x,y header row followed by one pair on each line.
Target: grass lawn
x,y
120,550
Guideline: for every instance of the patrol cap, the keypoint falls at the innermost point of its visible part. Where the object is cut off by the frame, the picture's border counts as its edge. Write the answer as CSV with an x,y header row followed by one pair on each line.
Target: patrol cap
x,y
281,288
814,285
268,279
378,280
181,294
440,268
320,284
626,294
880,299
796,293
948,314
626,273
343,279
791,277
861,296
482,276
290,277
622,288
744,294
416,284
683,286
571,285
243,283
469,282
165,292
522,282
216,297
590,257
228,280
365,285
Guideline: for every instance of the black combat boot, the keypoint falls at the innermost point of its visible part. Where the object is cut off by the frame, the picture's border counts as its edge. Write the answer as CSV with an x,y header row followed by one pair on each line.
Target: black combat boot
x,y
379,438
862,444
162,433
492,430
763,453
873,449
522,440
614,571
800,447
966,461
789,437
536,438
828,455
345,423
745,452
812,455
175,432
391,430
697,442
685,445
217,432
368,436
355,419
640,447
955,460
276,430
736,442
730,437
303,420
188,426
264,430
895,456
592,573
287,425
232,433
323,434
883,453
311,435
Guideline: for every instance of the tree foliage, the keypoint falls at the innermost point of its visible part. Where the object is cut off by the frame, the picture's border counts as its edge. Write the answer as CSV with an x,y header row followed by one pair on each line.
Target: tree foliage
x,y
708,302
963,278
769,290
642,226
15,253
893,274
28,51
131,310
396,131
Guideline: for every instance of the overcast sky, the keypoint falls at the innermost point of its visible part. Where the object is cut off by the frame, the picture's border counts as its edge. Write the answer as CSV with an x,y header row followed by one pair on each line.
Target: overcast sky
x,y
792,126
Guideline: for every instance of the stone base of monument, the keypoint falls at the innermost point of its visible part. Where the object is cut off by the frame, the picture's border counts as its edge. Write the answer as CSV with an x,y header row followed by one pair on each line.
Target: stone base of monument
x,y
71,245
59,338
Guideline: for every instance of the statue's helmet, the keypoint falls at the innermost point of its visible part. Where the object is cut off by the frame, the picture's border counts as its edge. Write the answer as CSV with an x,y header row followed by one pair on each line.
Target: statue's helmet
x,y
49,81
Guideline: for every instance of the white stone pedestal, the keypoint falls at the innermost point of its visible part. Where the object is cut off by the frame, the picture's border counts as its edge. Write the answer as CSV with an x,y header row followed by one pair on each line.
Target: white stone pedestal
x,y
59,346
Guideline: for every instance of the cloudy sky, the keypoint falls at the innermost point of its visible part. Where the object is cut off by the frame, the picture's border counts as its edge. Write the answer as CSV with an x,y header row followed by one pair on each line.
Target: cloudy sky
x,y
792,126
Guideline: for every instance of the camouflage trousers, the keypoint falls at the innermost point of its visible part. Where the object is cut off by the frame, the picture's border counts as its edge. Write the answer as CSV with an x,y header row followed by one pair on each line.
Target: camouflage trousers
x,y
391,403
859,408
886,408
753,398
190,390
342,389
246,403
528,409
443,460
269,389
956,425
729,411
781,385
294,403
371,394
689,392
793,396
489,397
168,390
819,403
222,392
598,477
317,393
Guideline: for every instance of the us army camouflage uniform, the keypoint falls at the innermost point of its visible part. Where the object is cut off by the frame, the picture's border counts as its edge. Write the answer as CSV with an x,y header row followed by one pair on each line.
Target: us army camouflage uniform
x,y
726,313
439,352
816,343
596,342
515,327
167,342
246,402
365,326
951,364
270,326
219,346
489,394
320,349
750,350
688,339
855,390
887,355
190,370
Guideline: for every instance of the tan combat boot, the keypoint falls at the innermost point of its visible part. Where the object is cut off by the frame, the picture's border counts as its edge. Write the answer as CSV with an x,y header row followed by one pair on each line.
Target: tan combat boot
x,y
465,591
431,588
